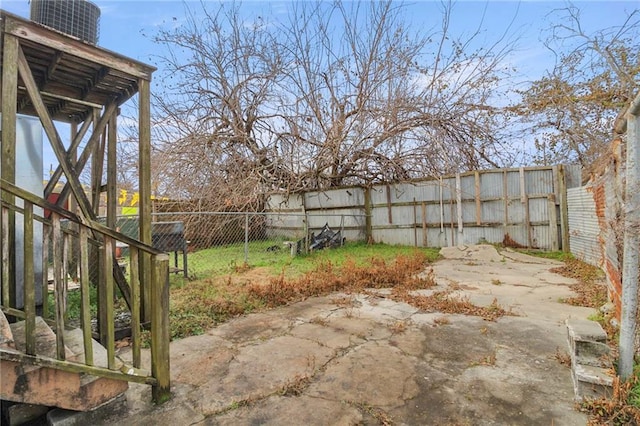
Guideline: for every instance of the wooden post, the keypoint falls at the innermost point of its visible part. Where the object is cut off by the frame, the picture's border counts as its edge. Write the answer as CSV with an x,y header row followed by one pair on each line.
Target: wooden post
x,y
59,287
29,280
505,195
424,225
389,207
367,215
144,189
478,201
8,160
97,166
107,303
6,295
160,363
564,211
415,223
85,305
46,238
553,222
459,209
135,306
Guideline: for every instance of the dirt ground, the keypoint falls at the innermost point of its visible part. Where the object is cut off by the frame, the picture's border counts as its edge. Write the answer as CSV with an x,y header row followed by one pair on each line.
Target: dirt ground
x,y
365,359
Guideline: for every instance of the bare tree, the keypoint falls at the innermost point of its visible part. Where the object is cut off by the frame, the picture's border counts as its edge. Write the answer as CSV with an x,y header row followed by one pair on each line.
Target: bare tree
x,y
372,100
339,93
572,109
219,76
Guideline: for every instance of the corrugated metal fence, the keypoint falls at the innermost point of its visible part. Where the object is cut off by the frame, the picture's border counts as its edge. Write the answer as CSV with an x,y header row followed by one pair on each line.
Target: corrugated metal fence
x,y
596,225
519,207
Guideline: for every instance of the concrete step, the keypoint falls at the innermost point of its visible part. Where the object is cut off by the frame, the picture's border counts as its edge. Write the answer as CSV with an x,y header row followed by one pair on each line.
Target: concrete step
x,y
592,382
591,366
51,387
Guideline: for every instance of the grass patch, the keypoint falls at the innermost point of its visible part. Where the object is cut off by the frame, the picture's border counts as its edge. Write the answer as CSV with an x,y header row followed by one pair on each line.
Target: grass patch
x,y
562,256
201,304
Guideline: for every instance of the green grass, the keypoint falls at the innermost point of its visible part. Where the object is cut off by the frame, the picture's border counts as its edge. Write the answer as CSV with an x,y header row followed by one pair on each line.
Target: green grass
x,y
555,255
276,258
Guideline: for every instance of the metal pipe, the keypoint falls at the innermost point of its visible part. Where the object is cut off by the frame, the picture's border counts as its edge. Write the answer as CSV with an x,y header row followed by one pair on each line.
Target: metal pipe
x,y
631,257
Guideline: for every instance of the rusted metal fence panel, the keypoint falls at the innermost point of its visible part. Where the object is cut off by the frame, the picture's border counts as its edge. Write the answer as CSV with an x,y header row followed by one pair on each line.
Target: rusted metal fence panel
x,y
518,207
584,230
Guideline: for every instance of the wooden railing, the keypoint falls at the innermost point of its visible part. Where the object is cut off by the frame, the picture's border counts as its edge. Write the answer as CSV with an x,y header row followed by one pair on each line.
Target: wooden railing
x,y
97,266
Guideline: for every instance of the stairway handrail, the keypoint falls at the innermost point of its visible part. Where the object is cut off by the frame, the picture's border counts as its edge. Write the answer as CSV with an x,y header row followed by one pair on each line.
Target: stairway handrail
x,y
91,224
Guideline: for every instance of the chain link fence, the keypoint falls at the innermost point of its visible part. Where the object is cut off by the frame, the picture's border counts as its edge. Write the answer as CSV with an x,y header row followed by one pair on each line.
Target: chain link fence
x,y
205,244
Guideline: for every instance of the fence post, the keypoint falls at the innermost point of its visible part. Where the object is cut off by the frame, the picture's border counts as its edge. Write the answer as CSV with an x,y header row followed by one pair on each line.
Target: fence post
x,y
160,364
553,222
246,238
631,258
367,215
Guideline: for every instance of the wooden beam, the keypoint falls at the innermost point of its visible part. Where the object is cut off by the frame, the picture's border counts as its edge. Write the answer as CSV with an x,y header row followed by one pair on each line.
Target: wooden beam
x,y
86,153
63,43
73,367
8,107
144,189
71,153
112,169
478,201
29,280
52,134
160,338
85,319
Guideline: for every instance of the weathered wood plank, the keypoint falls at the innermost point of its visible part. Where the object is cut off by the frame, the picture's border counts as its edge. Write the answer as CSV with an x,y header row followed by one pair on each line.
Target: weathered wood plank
x,y
46,37
85,305
160,328
478,200
144,188
59,289
135,306
91,224
29,280
52,134
46,237
564,212
75,143
6,283
8,107
108,302
73,367
553,223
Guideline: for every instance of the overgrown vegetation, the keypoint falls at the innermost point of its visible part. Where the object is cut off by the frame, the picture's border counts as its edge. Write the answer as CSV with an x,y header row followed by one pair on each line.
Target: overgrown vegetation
x,y
591,289
203,303
623,407
200,304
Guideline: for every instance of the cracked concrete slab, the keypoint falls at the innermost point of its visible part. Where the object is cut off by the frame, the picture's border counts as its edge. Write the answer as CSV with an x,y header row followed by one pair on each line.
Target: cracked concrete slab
x,y
367,359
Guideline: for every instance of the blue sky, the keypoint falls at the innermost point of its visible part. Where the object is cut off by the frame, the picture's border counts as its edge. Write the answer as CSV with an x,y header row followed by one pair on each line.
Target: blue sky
x,y
127,27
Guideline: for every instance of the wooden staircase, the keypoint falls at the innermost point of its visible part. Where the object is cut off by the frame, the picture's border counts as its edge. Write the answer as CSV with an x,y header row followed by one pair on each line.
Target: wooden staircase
x,y
48,386
45,363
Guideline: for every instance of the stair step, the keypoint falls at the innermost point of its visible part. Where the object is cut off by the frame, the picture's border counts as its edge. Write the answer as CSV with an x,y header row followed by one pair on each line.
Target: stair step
x,y
592,382
27,383
580,330
595,354
45,339
6,335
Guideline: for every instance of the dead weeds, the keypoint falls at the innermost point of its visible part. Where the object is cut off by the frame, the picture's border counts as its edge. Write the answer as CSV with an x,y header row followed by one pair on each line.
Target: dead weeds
x,y
591,290
443,301
615,410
